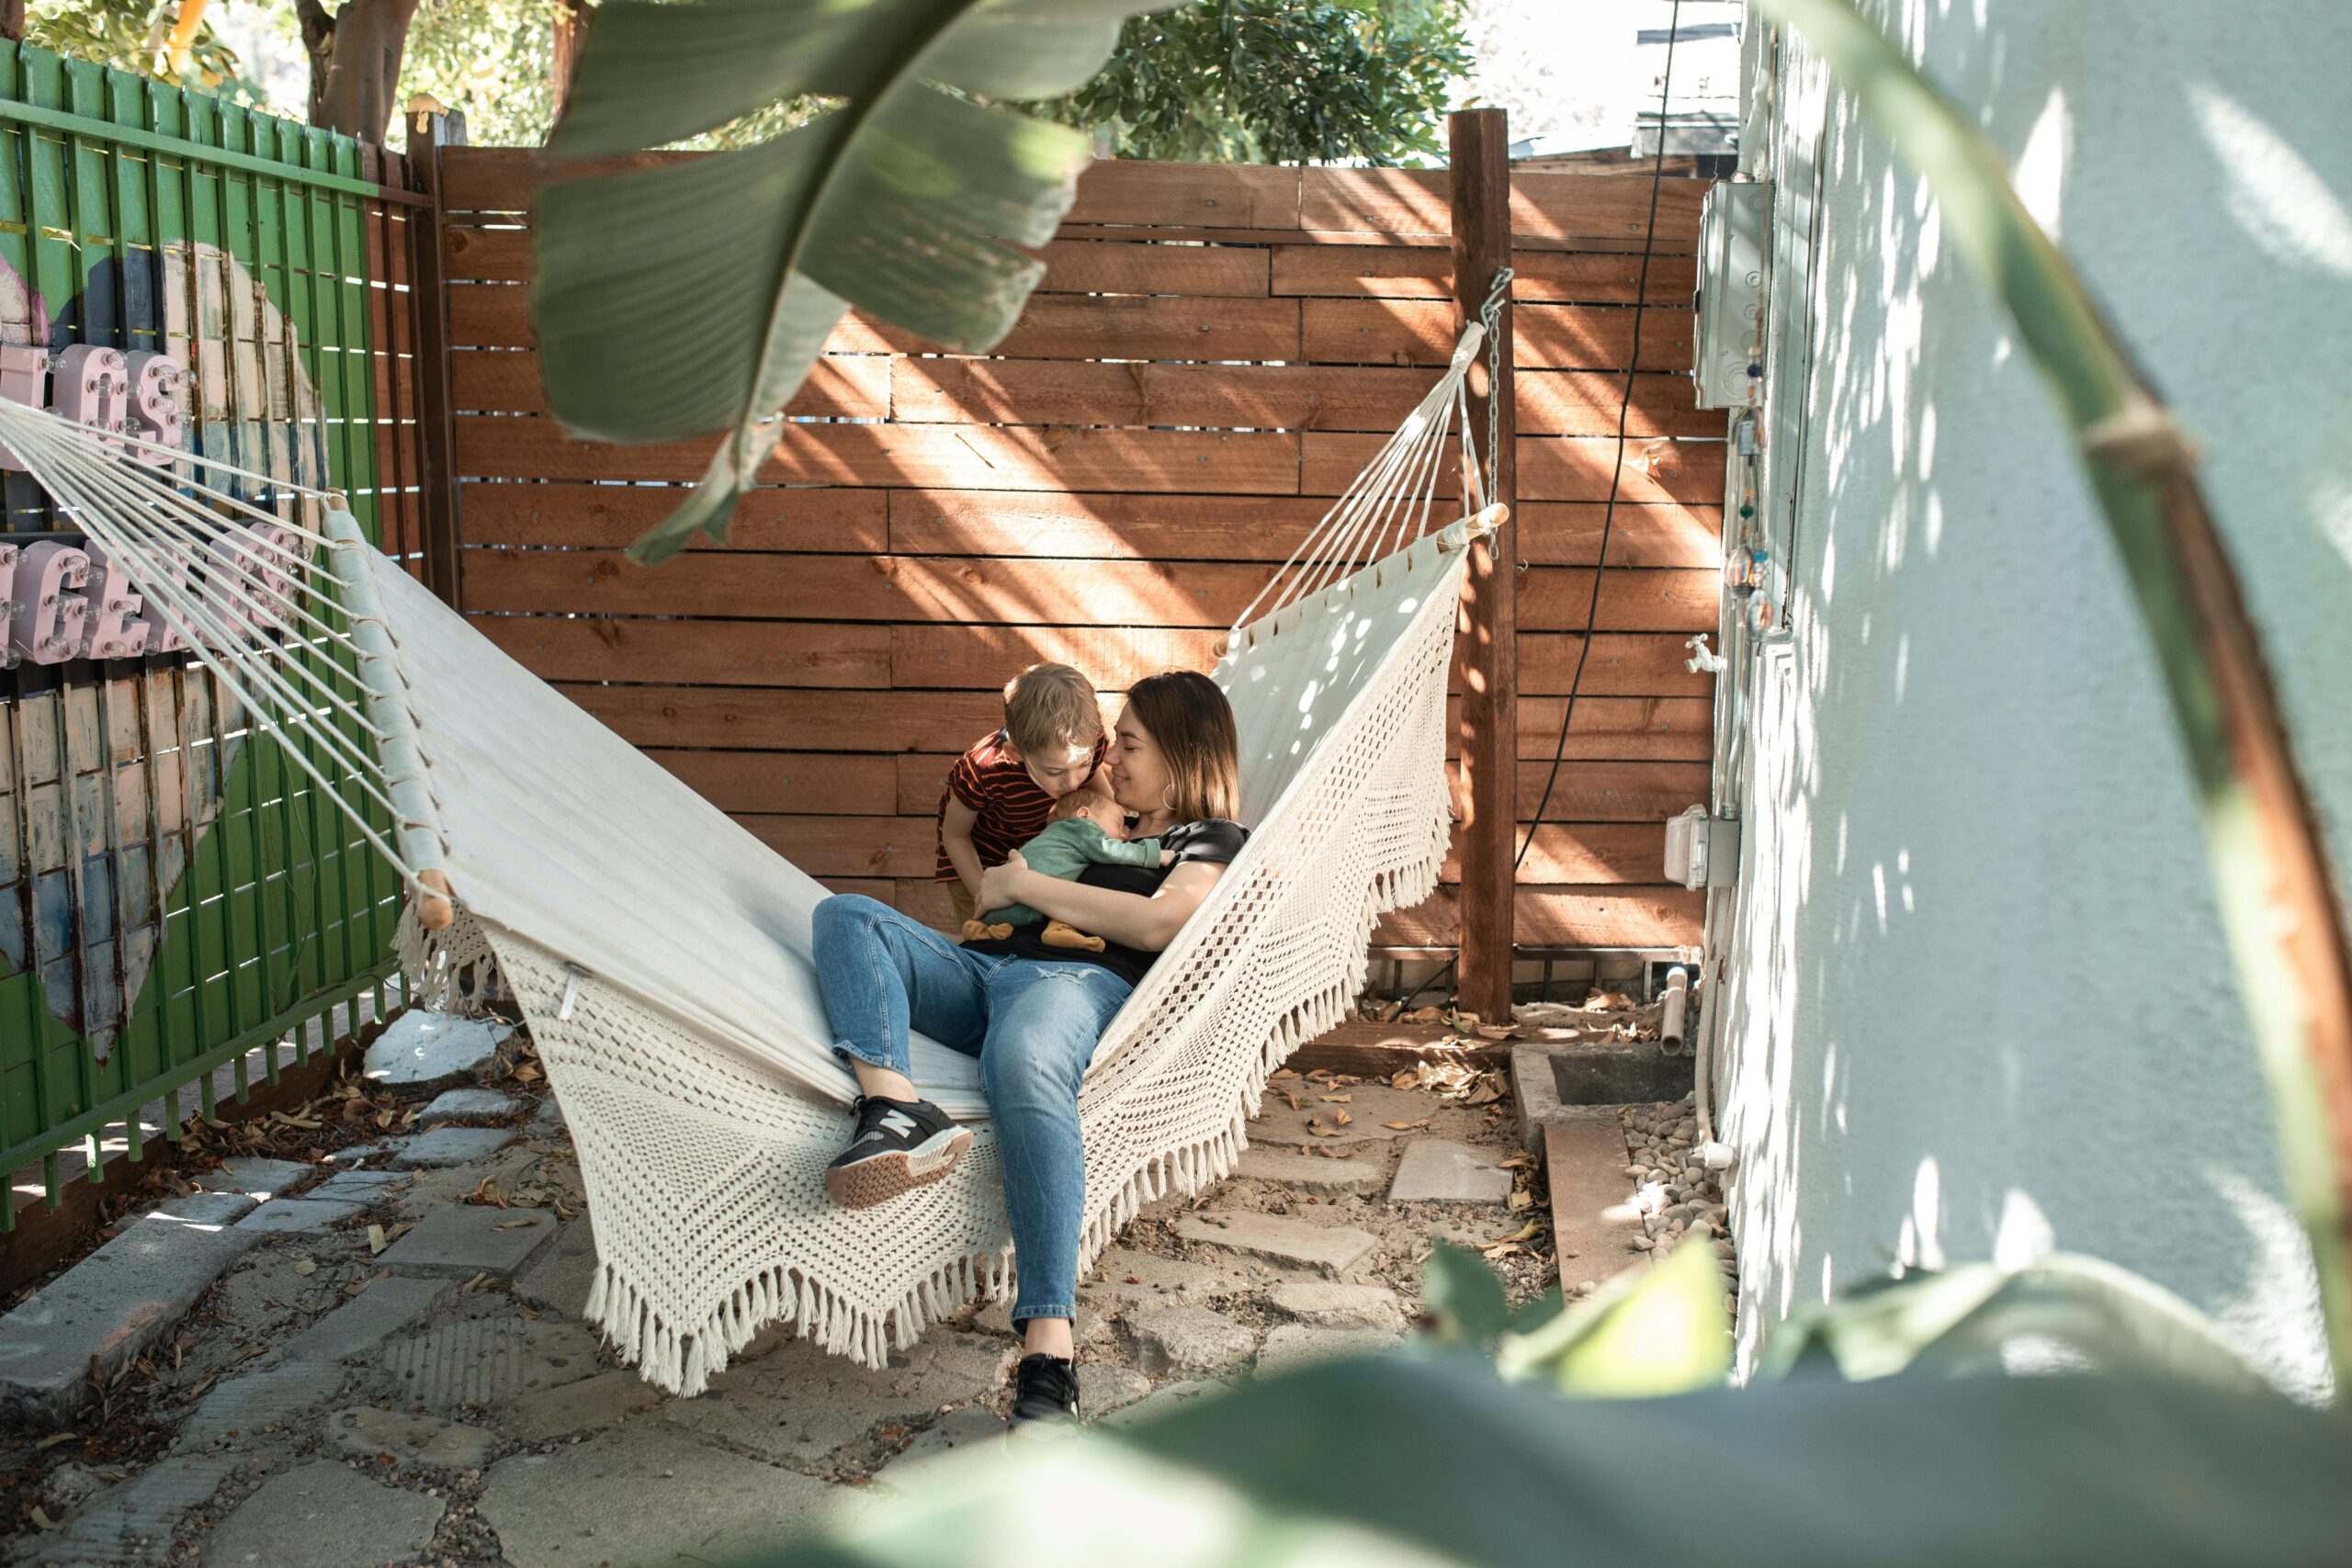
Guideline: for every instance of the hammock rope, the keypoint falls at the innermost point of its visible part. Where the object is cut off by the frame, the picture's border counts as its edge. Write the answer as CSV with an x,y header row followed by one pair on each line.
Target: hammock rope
x,y
661,956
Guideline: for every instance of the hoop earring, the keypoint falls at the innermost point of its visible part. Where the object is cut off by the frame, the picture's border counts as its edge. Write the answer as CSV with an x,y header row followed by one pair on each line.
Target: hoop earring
x,y
1167,798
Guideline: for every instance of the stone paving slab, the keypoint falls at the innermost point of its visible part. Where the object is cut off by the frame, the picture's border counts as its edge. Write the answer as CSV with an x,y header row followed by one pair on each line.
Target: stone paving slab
x,y
1105,1386
1369,1107
1438,1170
1132,1277
133,1523
467,1105
360,1325
421,1052
114,1304
488,1361
450,1145
1297,1345
589,1405
974,1426
299,1216
466,1239
1176,1337
363,1431
1335,1304
561,1274
1169,1396
260,1401
359,1187
1362,1172
1333,1249
323,1515
650,1497
255,1176
800,1405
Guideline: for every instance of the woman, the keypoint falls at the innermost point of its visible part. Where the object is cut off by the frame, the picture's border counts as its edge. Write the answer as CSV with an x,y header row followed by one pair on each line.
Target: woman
x,y
1033,1014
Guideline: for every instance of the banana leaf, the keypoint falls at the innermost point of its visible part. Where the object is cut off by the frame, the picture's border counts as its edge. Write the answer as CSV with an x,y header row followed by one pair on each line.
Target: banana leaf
x,y
1395,1461
687,295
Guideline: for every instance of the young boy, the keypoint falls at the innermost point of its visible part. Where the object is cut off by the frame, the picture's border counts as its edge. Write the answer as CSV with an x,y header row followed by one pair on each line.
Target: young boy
x,y
1001,792
1087,830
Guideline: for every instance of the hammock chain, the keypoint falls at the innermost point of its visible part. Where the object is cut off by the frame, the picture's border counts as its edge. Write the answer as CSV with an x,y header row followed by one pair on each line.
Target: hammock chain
x,y
1491,316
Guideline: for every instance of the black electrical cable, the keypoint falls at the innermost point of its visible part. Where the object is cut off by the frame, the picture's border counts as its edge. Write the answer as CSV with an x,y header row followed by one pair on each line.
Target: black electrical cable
x,y
1608,513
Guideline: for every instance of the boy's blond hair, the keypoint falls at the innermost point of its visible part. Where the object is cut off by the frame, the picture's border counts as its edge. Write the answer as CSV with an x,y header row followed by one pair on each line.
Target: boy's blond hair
x,y
1048,707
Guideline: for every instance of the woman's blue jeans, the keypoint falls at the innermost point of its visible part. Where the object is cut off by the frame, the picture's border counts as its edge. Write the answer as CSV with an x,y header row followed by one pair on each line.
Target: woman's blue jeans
x,y
1032,1024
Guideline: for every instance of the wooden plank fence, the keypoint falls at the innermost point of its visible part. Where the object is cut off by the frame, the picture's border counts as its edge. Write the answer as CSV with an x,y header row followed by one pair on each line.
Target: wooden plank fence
x,y
1213,354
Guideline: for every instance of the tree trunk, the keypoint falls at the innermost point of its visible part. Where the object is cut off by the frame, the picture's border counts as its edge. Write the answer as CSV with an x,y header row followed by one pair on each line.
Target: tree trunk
x,y
571,36
355,63
11,19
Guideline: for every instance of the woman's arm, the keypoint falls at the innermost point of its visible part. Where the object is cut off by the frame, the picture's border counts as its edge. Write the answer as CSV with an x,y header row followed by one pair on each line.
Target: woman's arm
x,y
1131,919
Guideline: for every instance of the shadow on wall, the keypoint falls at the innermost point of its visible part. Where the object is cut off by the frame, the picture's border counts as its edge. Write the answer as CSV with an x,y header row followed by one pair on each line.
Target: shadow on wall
x,y
1980,1004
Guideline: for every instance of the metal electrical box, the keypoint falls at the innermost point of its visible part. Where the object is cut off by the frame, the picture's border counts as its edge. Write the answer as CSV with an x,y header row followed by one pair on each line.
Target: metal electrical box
x,y
1733,224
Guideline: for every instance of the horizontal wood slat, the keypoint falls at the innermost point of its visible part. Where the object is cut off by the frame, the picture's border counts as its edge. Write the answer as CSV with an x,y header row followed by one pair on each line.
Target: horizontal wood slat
x,y
1217,528
783,719
961,592
1211,356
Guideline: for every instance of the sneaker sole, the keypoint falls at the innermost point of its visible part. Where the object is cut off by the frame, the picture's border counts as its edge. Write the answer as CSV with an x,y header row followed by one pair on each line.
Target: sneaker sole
x,y
885,1175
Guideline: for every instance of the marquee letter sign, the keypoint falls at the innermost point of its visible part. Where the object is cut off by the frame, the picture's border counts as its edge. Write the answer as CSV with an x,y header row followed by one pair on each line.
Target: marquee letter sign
x,y
60,602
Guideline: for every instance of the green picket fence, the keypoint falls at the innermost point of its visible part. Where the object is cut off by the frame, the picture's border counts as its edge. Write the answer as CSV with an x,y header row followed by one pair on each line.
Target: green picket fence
x,y
174,897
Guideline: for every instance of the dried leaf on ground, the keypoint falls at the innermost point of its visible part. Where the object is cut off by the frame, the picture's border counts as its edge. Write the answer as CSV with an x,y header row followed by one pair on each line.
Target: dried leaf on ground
x,y
377,1240
1405,1126
1336,1099
1406,1078
510,1224
306,1267
49,1442
1523,1199
1341,1117
1497,1030
1328,1152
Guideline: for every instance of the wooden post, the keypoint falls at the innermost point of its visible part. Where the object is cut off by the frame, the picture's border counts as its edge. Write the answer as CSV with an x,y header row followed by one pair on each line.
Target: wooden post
x,y
428,134
1487,640
571,36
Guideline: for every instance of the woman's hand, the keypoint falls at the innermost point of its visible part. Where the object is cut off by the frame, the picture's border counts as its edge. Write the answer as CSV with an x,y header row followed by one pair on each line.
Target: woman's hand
x,y
1000,885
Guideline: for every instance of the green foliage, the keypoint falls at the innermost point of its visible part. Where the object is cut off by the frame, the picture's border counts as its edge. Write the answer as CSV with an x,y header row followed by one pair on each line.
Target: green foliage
x,y
908,197
128,35
491,59
1278,82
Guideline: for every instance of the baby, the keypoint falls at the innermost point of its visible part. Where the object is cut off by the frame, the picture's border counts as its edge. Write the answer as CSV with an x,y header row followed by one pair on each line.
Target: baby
x,y
1087,830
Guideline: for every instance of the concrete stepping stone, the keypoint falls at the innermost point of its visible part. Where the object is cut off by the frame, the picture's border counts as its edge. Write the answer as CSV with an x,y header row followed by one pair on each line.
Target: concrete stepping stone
x,y
647,1494
974,1426
114,1304
467,1105
1296,1345
359,1186
421,1052
255,1176
488,1361
271,1399
1171,1396
1370,1108
323,1515
1364,1172
799,1405
592,1403
1337,1304
561,1275
1333,1249
547,1122
1176,1338
465,1239
360,1325
1438,1170
1132,1278
364,1430
450,1145
133,1523
299,1216
1105,1386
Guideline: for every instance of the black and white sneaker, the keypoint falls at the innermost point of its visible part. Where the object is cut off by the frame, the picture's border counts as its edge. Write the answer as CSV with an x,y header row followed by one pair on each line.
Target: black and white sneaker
x,y
1045,1396
900,1144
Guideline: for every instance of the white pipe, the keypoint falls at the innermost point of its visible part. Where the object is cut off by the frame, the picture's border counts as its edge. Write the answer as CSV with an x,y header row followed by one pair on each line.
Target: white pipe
x,y
1670,1031
1714,1155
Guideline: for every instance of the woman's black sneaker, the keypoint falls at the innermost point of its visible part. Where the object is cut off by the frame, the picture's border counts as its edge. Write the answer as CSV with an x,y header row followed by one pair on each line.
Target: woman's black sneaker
x,y
1044,1395
900,1144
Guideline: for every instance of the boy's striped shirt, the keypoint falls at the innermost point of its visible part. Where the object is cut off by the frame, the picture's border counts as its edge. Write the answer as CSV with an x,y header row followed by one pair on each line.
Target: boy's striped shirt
x,y
1012,810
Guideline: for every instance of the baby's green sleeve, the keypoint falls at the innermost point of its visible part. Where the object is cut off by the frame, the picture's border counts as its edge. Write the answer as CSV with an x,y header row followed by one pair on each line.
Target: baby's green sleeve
x,y
1104,850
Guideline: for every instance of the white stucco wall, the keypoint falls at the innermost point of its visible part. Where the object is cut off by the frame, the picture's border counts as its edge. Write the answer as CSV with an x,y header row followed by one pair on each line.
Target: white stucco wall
x,y
1978,1002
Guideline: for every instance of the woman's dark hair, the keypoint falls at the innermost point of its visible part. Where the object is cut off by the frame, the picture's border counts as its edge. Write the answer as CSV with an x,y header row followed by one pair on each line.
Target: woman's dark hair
x,y
1187,717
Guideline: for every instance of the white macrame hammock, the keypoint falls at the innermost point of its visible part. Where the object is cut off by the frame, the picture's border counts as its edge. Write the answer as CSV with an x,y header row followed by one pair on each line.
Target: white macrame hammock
x,y
659,953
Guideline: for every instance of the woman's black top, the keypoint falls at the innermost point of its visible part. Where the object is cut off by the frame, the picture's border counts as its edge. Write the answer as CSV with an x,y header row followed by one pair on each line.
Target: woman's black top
x,y
1214,840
